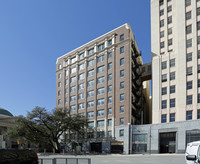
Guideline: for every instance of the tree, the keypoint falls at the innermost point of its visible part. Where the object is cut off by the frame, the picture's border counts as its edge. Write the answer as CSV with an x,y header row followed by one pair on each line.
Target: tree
x,y
43,127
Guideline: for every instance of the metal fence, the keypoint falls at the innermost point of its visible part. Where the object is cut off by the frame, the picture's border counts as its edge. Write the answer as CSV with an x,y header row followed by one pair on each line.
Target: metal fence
x,y
64,161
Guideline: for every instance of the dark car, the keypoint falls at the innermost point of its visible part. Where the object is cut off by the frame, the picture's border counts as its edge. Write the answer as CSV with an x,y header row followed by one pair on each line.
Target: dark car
x,y
18,157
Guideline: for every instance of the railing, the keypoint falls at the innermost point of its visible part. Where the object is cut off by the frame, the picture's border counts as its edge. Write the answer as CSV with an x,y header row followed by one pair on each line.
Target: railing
x,y
64,161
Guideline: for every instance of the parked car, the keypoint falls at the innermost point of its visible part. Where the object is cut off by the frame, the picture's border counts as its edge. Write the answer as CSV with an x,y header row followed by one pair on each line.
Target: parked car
x,y
18,157
192,153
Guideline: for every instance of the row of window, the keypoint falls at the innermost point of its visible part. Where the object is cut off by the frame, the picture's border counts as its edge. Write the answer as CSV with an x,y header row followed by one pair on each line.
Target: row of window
x,y
162,22
169,9
162,33
161,2
188,2
171,64
172,116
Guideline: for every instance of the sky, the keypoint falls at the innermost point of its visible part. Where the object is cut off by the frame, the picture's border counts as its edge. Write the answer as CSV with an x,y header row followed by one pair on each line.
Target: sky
x,y
34,33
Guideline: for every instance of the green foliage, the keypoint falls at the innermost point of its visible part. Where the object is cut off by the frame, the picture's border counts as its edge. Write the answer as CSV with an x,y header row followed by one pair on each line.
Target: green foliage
x,y
43,127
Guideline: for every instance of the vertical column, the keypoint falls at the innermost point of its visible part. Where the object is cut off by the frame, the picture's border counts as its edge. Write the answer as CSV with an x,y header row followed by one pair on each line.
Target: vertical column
x,y
113,87
95,48
106,42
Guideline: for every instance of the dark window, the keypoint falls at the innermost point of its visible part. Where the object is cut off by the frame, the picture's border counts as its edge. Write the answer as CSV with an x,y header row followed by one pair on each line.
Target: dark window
x,y
198,11
121,132
121,50
198,98
172,76
189,71
189,57
164,77
187,3
189,100
189,85
198,25
198,83
164,91
169,8
161,2
172,117
172,63
164,104
164,65
189,29
169,31
162,44
161,12
169,20
189,43
188,115
170,42
172,103
162,23
198,114
121,37
188,15
163,118
172,89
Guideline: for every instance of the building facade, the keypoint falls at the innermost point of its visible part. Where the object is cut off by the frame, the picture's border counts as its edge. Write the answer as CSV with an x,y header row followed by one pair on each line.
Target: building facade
x,y
101,80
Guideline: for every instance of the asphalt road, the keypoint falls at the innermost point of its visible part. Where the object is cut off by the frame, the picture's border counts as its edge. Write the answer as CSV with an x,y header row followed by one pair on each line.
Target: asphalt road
x,y
127,159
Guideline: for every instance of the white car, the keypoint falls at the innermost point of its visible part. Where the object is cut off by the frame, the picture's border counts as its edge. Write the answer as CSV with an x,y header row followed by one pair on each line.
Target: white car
x,y
192,153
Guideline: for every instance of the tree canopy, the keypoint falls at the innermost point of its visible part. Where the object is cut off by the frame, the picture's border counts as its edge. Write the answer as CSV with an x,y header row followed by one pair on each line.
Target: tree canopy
x,y
43,127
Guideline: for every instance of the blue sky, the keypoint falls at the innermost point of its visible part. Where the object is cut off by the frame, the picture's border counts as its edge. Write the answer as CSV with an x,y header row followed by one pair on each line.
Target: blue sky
x,y
34,33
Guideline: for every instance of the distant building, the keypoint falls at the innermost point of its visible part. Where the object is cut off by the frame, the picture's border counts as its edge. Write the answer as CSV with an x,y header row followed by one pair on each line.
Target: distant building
x,y
102,81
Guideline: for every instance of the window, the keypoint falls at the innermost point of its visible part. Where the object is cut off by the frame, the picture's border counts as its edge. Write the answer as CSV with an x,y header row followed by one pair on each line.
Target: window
x,y
122,85
189,57
90,83
100,91
198,11
73,107
100,123
189,43
188,115
90,114
91,51
121,37
81,76
81,106
109,111
81,56
66,100
188,15
121,121
90,73
122,97
73,70
109,122
73,89
198,69
73,79
110,42
66,81
81,96
81,86
168,0
172,63
59,84
109,100
172,76
198,25
90,94
59,66
164,77
59,75
100,102
161,23
161,34
66,62
59,101
100,134
90,104
121,109
100,69
198,83
100,80
169,9
73,60
66,72
110,88
100,113
189,71
122,73
164,104
198,114
109,55
82,66
109,77
91,63
172,117
91,124
172,89
66,91
170,42
187,3
169,20
164,65
59,93
100,58
109,66
172,103
189,100
73,98
100,47
189,85
198,98
169,31
121,50
121,132
162,44
164,91
198,39
188,29
163,118
198,54
109,133
161,12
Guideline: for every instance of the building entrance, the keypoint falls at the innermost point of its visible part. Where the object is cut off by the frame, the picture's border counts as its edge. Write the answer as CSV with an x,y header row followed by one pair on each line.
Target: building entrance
x,y
167,142
96,147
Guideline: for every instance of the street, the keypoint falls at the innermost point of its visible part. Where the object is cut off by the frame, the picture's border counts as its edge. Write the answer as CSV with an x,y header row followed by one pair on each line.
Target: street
x,y
130,159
